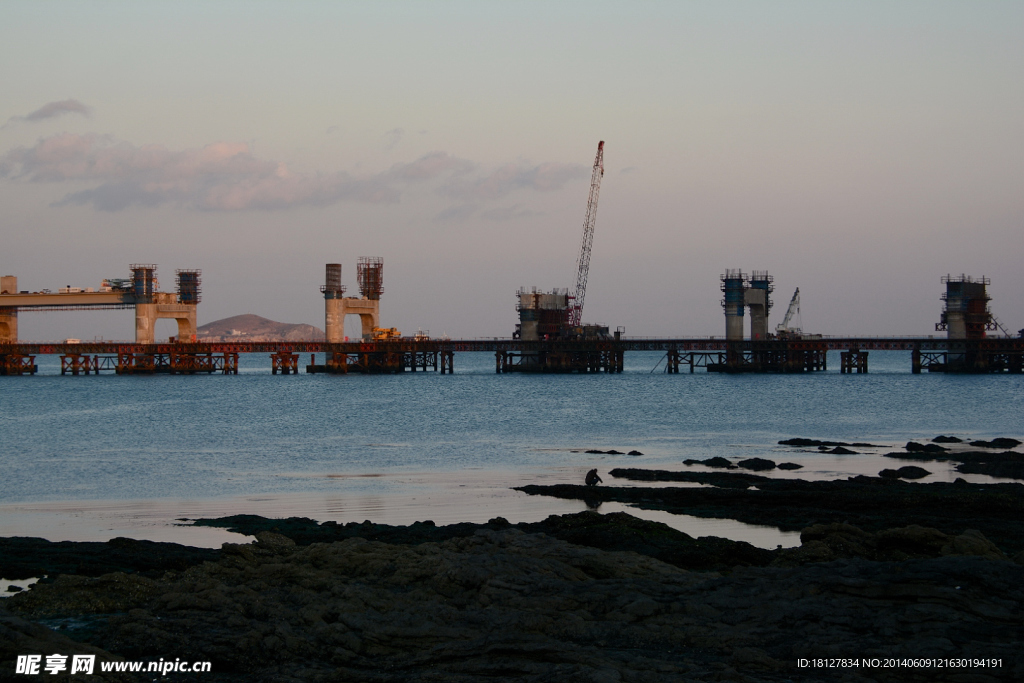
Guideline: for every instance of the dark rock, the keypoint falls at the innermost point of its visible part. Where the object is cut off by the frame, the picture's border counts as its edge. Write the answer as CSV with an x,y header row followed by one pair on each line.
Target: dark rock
x,y
907,472
14,589
594,452
613,531
996,443
757,464
827,542
1007,465
789,466
613,452
526,608
912,472
725,480
839,450
634,453
871,503
20,636
947,439
25,558
914,447
717,461
816,442
918,455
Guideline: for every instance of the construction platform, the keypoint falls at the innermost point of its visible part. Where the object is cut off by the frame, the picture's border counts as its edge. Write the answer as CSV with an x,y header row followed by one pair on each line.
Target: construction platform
x,y
991,355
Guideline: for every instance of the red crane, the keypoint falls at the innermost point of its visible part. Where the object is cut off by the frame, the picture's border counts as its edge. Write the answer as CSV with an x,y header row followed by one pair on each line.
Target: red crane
x,y
583,266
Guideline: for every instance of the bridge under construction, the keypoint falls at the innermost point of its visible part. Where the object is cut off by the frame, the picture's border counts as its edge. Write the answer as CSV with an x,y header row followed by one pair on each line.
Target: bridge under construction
x,y
996,355
550,336
543,343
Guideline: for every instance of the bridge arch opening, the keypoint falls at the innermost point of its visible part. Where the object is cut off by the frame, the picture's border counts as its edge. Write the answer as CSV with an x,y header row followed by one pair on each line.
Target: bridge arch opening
x,y
360,328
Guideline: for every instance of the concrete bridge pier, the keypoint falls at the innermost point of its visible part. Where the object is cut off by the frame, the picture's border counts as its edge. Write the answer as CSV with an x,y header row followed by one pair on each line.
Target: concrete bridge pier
x,y
8,314
164,306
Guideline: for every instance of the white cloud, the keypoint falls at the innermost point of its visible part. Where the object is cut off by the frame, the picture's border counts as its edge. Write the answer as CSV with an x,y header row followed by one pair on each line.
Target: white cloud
x,y
226,176
546,177
507,213
52,110
393,137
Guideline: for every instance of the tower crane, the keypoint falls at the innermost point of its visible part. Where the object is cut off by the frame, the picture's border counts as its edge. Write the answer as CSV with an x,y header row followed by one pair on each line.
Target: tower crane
x,y
783,330
583,266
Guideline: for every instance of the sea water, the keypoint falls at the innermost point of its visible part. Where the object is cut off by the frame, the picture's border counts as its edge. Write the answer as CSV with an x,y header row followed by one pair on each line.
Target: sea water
x,y
397,448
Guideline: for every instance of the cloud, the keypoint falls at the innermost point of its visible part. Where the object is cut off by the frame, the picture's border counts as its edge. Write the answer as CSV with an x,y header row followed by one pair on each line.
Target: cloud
x,y
430,166
52,110
393,137
546,177
227,176
628,169
507,213
459,212
221,176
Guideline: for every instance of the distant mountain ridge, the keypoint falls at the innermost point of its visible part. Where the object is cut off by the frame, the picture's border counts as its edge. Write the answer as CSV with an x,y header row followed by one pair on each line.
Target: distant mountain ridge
x,y
250,327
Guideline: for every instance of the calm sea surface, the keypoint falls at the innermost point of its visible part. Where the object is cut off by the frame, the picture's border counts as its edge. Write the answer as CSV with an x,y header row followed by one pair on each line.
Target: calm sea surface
x,y
101,456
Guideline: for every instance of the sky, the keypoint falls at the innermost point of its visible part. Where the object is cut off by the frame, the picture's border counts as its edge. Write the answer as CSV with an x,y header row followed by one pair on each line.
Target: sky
x,y
856,150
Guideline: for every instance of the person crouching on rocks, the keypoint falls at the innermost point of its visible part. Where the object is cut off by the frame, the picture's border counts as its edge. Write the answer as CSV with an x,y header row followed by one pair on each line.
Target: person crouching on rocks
x,y
593,479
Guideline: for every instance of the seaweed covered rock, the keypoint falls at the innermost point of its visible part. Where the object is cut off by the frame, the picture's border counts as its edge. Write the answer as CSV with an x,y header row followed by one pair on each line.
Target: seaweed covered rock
x,y
827,542
757,464
717,461
1001,442
915,447
525,608
906,472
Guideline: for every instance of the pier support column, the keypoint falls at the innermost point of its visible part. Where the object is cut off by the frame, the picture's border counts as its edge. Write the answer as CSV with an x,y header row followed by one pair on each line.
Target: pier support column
x,y
284,363
164,306
8,325
853,361
672,362
16,364
8,314
447,362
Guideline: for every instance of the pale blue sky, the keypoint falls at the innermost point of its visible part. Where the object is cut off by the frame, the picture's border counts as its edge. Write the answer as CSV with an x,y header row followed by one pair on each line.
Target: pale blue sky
x,y
857,150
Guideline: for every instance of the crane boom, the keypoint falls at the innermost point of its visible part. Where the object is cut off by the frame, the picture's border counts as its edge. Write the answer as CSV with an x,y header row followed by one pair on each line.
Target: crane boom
x,y
583,266
794,308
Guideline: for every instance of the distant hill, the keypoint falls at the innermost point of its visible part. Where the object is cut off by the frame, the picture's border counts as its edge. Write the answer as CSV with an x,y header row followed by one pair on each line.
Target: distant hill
x,y
251,327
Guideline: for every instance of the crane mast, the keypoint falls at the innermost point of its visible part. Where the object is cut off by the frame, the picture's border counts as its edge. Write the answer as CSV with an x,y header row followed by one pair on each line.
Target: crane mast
x,y
583,266
783,329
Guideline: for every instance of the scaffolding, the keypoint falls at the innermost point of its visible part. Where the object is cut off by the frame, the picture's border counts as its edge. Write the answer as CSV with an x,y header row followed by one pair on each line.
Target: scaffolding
x,y
144,283
190,289
370,274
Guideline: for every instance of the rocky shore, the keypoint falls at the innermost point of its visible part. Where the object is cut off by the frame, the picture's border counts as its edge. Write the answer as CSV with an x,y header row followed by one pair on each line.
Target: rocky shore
x,y
870,503
887,571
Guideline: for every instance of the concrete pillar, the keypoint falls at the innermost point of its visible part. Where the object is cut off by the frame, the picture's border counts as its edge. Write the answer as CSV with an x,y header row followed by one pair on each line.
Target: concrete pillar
x,y
369,321
145,323
734,326
334,320
186,324
733,287
146,316
8,325
335,310
757,301
956,326
8,315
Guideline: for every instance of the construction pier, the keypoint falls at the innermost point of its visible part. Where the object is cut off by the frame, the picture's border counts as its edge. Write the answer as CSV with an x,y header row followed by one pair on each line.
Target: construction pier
x,y
994,355
549,337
